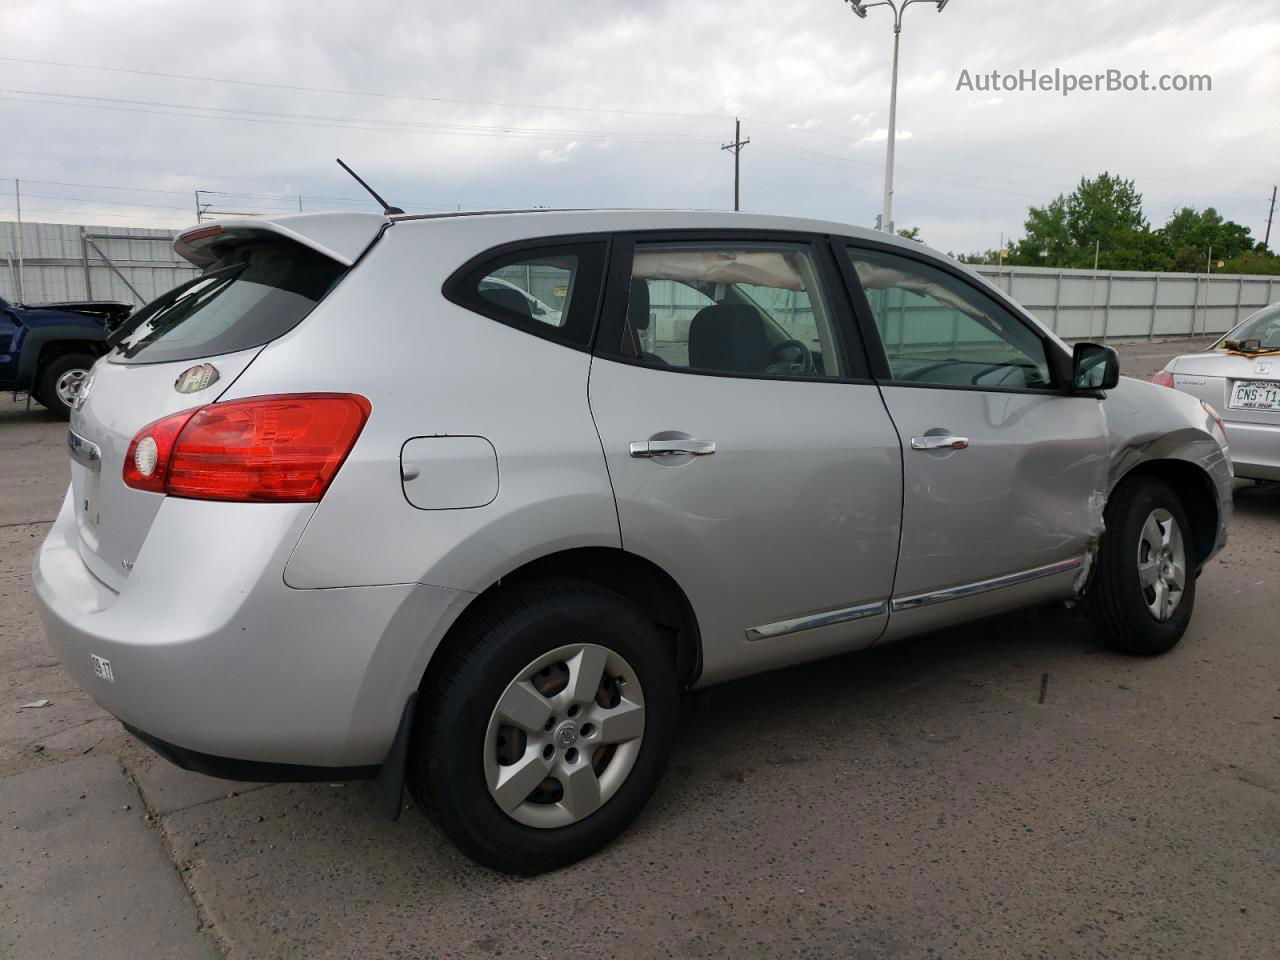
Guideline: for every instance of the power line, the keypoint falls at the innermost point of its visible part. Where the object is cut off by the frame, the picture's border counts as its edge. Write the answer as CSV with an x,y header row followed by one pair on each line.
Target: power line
x,y
113,216
111,203
532,106
932,175
554,133
914,147
365,93
289,198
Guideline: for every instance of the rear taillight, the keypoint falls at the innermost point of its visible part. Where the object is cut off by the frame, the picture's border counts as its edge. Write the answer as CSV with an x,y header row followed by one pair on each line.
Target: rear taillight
x,y
1163,379
260,449
146,464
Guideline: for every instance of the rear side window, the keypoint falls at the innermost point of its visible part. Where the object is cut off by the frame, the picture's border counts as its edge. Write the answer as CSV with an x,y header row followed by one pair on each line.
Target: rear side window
x,y
252,294
550,291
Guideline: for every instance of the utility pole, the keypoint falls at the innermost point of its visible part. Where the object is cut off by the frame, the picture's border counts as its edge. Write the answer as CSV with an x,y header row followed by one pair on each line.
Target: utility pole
x,y
17,202
736,147
198,206
1208,276
1266,243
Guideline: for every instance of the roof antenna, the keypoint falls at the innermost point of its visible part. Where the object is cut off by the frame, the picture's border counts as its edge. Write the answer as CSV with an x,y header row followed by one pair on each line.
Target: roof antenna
x,y
386,207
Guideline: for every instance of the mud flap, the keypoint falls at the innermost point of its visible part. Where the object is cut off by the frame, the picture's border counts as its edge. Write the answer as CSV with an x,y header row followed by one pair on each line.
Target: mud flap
x,y
391,773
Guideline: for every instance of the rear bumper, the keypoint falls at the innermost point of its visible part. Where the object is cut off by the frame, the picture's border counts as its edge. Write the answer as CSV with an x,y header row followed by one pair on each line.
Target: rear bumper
x,y
212,654
1255,450
250,771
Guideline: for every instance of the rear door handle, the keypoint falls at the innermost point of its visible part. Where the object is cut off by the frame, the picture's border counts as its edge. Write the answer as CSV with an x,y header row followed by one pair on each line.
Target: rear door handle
x,y
672,448
939,443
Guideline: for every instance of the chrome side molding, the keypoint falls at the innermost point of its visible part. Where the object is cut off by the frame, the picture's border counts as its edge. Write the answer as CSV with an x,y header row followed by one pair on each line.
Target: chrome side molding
x,y
984,586
841,615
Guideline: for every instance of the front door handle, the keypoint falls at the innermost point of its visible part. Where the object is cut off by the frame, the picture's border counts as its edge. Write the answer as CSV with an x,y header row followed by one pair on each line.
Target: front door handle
x,y
672,448
939,443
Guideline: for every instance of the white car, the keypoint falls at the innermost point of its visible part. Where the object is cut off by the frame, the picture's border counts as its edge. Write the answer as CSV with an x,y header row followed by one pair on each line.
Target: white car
x,y
1240,375
504,293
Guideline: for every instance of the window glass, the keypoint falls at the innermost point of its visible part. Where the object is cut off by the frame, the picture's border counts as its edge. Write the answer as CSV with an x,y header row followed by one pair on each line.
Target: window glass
x,y
536,289
749,309
937,329
1263,326
550,291
253,293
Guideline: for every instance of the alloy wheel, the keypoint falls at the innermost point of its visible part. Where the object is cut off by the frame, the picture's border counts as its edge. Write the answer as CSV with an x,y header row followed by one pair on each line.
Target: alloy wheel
x,y
69,385
1162,564
564,735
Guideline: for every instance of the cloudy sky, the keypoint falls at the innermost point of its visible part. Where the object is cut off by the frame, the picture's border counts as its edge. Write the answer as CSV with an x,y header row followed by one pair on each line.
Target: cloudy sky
x,y
506,103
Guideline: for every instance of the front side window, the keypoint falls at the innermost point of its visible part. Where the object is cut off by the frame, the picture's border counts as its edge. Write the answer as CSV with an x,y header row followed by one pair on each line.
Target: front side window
x,y
937,329
547,290
752,309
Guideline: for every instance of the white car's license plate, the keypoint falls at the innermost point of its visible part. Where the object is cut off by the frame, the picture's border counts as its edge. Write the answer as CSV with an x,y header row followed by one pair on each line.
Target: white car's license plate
x,y
1255,395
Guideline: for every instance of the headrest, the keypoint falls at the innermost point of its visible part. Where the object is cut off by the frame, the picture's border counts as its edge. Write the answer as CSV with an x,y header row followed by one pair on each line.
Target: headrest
x,y
638,304
508,299
730,338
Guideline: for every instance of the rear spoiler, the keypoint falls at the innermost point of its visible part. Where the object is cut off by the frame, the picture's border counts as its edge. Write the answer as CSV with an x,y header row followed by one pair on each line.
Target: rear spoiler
x,y
339,236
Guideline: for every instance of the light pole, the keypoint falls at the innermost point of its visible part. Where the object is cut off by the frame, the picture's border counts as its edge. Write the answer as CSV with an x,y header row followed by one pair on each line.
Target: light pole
x,y
898,7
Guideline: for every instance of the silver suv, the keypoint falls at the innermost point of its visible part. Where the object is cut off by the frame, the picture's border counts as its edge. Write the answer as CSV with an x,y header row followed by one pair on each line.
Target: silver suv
x,y
347,506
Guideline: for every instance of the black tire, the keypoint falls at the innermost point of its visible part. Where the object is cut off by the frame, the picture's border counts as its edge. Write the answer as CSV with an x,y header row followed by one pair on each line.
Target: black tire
x,y
458,696
1115,603
46,392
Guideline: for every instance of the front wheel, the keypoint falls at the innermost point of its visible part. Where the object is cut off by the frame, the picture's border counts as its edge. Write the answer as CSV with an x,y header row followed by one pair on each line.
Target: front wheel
x,y
541,737
1144,589
61,382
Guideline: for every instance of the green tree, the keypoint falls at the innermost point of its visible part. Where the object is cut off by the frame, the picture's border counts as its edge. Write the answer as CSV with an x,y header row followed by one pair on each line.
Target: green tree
x,y
1047,243
1105,211
986,256
910,233
1190,234
1255,261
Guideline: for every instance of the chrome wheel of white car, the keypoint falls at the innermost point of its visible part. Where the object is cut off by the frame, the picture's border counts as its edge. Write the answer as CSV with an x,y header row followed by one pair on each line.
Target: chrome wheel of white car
x,y
1162,564
564,735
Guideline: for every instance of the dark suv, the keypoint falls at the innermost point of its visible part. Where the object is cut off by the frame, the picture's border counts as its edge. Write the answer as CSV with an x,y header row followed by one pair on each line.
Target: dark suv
x,y
47,350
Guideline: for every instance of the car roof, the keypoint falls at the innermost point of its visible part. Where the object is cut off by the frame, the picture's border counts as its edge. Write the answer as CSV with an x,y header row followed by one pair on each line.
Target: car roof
x,y
343,235
623,218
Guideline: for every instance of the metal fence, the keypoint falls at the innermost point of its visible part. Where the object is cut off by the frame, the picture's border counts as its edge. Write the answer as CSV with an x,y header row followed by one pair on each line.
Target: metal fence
x,y
1081,304
69,262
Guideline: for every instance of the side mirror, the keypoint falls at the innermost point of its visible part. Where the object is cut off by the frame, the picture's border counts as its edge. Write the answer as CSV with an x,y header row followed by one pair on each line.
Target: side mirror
x,y
1094,367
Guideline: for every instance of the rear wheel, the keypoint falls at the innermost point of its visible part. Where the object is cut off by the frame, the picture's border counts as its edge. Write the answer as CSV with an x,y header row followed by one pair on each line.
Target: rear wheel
x,y
1144,589
62,380
540,738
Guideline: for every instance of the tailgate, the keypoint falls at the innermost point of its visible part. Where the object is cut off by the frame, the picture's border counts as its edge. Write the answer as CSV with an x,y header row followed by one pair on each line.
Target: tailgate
x,y
112,520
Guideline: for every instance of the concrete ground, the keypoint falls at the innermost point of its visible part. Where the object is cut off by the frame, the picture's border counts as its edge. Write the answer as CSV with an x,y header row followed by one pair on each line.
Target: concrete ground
x,y
1010,788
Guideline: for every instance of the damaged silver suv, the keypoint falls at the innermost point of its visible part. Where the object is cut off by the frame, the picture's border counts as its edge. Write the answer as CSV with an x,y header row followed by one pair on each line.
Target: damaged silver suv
x,y
467,500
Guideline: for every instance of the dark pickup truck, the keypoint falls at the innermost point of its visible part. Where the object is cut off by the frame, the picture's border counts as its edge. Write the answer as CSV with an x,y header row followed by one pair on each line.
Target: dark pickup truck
x,y
46,350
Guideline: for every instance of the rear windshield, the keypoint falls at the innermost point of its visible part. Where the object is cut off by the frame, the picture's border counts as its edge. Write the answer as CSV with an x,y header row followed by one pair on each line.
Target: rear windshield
x,y
252,294
1263,326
